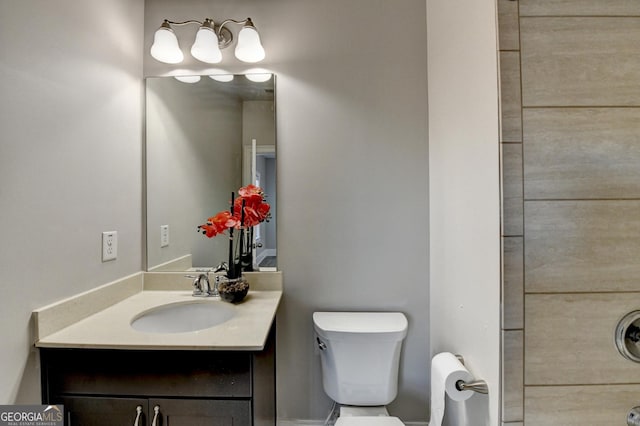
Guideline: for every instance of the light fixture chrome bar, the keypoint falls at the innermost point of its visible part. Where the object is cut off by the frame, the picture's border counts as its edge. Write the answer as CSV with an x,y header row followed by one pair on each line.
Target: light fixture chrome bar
x,y
190,21
244,22
225,36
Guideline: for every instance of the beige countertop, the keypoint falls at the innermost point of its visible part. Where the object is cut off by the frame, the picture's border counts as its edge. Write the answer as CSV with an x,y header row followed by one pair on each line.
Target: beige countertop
x,y
109,327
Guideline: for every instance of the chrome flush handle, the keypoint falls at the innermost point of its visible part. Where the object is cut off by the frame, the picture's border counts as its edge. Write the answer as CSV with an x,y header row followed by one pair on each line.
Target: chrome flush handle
x,y
321,345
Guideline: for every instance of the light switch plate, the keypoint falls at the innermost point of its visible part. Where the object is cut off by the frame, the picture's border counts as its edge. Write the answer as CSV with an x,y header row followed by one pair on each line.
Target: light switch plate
x,y
109,245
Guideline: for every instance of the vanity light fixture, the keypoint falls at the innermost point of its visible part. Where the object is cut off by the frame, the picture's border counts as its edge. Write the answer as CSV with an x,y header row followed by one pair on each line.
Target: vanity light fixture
x,y
211,38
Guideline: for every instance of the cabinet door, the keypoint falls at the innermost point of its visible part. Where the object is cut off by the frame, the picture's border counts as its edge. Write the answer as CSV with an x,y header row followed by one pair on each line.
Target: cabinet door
x,y
97,411
181,412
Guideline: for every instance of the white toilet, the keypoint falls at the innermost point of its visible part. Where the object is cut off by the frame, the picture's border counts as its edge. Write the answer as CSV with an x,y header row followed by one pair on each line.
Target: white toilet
x,y
360,354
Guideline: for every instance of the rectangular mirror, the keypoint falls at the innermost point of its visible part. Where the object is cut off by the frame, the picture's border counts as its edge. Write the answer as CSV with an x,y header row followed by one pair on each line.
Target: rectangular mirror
x,y
204,140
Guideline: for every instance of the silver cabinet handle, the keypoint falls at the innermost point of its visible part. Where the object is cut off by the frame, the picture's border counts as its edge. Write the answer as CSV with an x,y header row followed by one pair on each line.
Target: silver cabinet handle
x,y
138,415
156,414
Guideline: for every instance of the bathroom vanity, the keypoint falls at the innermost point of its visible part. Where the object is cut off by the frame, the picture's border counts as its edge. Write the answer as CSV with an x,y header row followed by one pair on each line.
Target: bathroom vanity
x,y
105,372
177,388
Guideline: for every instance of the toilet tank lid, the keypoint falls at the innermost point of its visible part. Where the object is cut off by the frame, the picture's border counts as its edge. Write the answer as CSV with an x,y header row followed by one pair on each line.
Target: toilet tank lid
x,y
360,322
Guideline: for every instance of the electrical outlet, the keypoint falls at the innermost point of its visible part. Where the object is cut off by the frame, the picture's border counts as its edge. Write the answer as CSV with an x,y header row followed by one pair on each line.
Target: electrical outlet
x,y
109,245
164,235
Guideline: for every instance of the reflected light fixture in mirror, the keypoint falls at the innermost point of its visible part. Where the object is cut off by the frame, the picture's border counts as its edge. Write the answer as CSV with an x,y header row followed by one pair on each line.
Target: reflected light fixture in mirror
x,y
210,39
188,78
221,76
258,75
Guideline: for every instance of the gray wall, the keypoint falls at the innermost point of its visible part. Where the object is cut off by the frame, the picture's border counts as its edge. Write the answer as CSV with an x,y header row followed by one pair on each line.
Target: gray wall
x,y
70,161
352,172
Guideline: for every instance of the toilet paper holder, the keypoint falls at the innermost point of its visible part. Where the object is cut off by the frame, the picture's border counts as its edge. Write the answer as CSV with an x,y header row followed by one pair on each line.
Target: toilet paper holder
x,y
479,386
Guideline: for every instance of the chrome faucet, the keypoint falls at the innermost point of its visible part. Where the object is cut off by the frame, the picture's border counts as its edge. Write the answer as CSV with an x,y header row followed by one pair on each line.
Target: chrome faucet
x,y
202,286
223,266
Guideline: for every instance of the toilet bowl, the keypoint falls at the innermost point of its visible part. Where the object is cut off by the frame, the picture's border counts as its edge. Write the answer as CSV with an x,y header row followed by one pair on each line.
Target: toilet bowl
x,y
360,356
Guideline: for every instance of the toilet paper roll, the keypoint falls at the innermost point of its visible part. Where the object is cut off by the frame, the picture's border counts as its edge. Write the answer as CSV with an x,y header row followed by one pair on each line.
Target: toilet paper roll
x,y
446,370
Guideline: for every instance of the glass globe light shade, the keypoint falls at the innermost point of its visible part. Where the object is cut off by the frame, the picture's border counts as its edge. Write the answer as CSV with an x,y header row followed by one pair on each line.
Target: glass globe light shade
x,y
165,47
206,48
248,47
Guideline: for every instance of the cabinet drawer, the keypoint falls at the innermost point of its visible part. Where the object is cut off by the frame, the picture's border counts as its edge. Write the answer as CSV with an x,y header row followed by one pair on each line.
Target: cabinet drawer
x,y
176,412
85,411
144,373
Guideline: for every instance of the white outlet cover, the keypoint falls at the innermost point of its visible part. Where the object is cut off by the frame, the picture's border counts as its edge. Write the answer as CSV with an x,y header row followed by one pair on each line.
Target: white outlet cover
x,y
164,235
109,245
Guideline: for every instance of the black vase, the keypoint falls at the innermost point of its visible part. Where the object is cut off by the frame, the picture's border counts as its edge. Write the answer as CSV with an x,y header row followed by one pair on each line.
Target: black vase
x,y
233,290
245,259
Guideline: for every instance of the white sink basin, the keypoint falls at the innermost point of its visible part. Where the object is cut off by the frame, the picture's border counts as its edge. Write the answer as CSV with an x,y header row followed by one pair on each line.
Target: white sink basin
x,y
183,317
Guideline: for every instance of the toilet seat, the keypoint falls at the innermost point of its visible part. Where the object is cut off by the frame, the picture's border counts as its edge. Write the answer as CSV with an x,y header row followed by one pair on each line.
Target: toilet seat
x,y
369,421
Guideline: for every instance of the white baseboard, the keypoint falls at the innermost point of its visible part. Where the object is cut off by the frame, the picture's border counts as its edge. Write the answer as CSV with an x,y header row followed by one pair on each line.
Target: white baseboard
x,y
263,254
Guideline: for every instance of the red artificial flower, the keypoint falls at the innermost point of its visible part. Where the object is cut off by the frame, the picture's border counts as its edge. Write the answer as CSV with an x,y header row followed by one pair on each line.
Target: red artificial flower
x,y
218,224
248,190
255,212
254,209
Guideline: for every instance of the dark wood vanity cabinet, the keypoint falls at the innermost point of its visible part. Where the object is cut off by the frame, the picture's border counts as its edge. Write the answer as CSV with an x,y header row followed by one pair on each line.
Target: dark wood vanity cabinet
x,y
103,411
189,387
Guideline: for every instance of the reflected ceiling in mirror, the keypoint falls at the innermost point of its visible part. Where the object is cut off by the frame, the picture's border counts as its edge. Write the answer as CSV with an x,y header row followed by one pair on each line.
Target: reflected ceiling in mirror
x,y
199,148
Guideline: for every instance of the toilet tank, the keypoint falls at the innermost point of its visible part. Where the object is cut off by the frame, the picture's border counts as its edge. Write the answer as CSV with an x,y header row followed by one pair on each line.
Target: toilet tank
x,y
360,355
